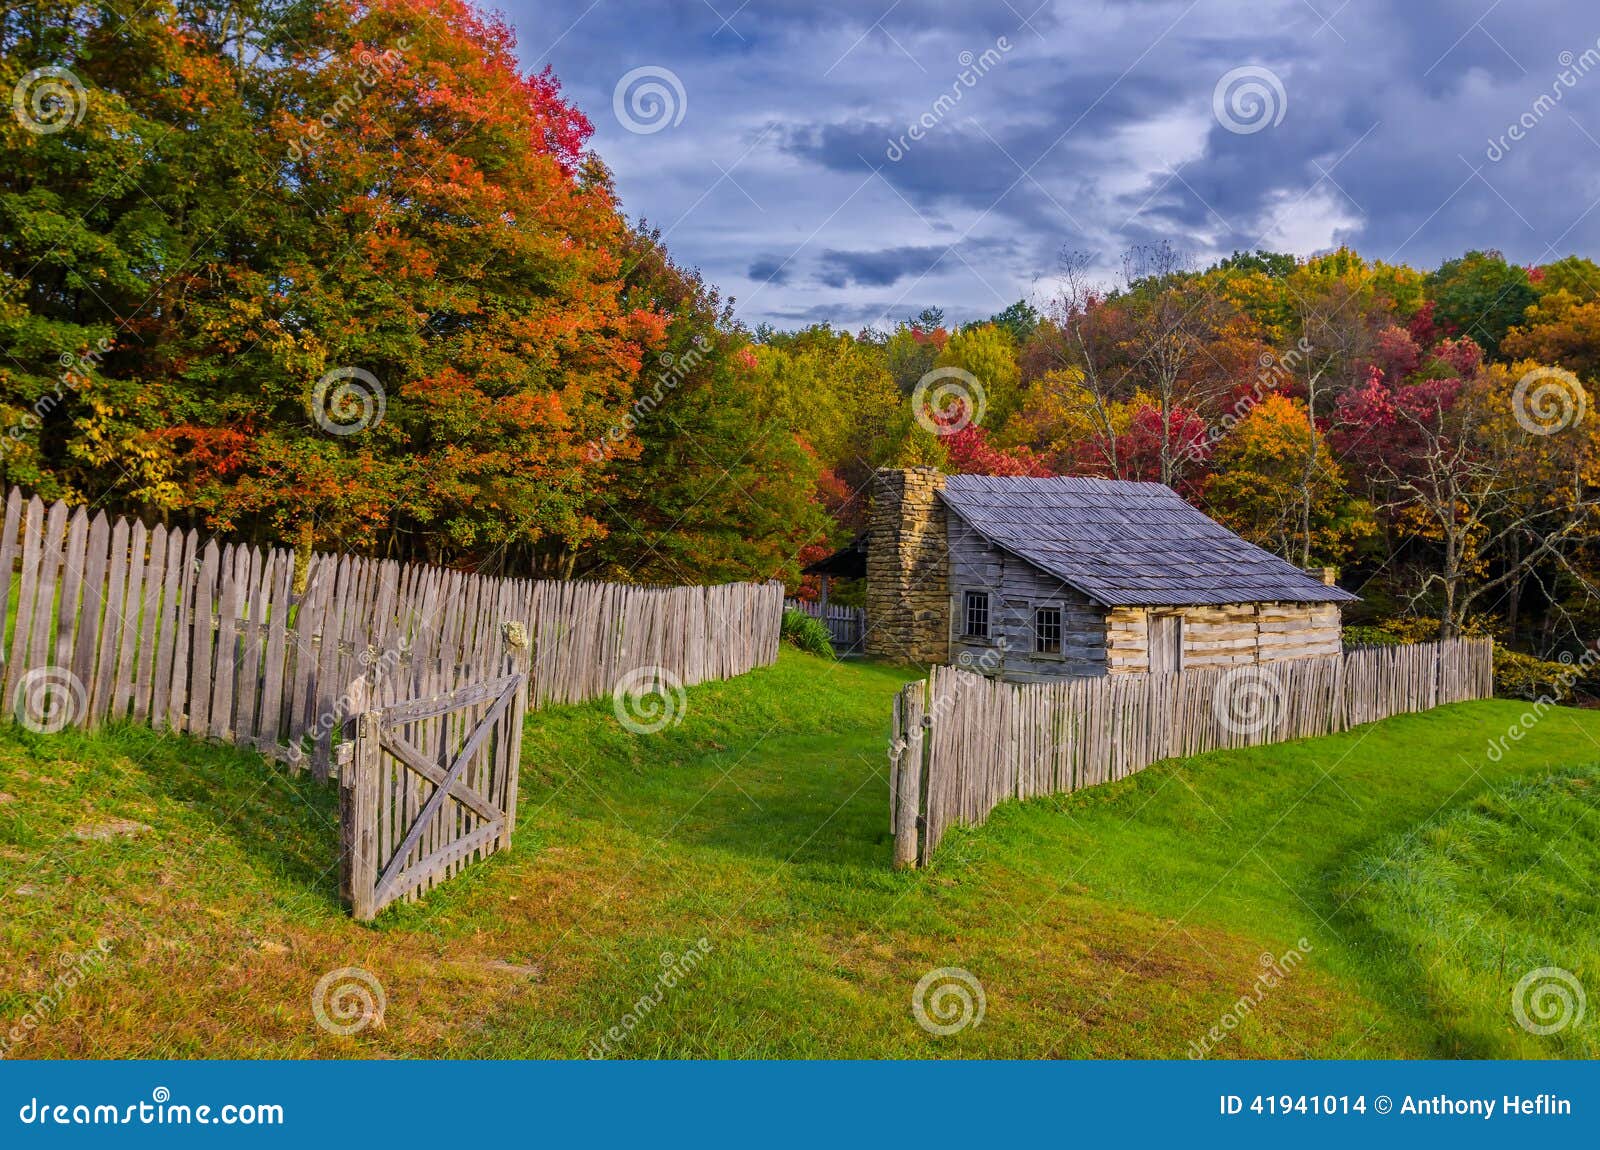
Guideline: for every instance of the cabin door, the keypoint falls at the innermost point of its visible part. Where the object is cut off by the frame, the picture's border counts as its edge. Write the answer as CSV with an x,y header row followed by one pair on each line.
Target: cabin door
x,y
1166,644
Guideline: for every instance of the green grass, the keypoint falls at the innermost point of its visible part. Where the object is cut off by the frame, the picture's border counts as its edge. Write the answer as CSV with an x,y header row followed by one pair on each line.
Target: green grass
x,y
1479,898
1424,877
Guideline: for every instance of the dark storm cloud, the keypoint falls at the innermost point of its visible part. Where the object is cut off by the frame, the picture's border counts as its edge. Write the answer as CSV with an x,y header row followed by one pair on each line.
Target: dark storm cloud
x,y
794,181
956,165
845,315
771,269
877,268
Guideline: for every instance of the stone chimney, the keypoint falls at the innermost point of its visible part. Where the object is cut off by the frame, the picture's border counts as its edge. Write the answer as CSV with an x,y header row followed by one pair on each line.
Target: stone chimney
x,y
908,568
1328,575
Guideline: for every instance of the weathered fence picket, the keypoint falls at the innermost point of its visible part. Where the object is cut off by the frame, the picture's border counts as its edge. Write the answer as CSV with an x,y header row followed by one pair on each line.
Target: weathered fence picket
x,y
961,743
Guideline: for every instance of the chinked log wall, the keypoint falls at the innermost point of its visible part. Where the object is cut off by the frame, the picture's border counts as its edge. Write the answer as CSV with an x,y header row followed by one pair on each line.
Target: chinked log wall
x,y
1226,635
962,744
115,620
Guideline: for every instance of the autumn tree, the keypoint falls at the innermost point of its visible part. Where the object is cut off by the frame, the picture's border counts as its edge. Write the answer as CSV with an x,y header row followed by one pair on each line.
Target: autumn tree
x,y
950,439
1563,327
988,353
136,167
1172,319
1338,313
910,353
1500,483
1073,366
1482,296
834,391
701,481
1256,486
1161,357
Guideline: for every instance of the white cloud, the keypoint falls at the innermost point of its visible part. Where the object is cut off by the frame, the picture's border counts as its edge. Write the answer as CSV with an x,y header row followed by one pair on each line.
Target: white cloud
x,y
1307,222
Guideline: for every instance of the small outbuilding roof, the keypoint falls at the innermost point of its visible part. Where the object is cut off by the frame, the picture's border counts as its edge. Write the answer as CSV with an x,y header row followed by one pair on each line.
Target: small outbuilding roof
x,y
849,562
1127,544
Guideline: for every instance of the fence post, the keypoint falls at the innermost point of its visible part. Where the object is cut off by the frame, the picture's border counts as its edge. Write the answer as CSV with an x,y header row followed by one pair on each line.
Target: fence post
x,y
515,637
358,820
908,778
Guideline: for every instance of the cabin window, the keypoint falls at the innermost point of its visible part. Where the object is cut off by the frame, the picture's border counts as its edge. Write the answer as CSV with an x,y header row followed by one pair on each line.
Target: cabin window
x,y
975,613
1047,630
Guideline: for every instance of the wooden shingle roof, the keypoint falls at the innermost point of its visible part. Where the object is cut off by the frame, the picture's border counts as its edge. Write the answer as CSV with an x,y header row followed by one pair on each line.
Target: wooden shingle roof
x,y
1127,544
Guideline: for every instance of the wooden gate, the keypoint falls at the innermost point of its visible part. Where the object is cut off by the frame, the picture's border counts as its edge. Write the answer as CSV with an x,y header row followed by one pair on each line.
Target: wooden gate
x,y
431,785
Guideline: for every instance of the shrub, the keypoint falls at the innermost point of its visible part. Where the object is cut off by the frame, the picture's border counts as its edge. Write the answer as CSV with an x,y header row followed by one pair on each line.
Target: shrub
x,y
1520,676
1410,629
807,633
1371,637
1517,675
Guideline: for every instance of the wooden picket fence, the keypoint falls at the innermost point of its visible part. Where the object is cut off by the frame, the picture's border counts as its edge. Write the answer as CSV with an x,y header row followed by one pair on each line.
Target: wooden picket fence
x,y
962,743
117,621
847,626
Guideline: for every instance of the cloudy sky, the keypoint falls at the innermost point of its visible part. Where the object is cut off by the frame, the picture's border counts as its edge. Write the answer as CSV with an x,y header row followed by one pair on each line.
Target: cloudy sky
x,y
773,139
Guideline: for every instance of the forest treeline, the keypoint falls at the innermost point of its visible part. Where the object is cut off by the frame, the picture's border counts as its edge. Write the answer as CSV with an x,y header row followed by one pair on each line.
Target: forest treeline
x,y
342,275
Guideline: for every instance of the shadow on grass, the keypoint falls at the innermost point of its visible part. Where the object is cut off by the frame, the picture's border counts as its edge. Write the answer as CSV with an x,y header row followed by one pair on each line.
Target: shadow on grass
x,y
784,765
795,801
1490,890
287,823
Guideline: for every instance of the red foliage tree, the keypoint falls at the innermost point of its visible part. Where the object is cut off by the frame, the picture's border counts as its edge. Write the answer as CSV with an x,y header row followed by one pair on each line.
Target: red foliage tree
x,y
1184,436
969,452
1395,353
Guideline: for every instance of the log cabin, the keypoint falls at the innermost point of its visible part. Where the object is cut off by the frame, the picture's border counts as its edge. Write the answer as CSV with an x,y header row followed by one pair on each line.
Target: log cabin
x,y
1035,579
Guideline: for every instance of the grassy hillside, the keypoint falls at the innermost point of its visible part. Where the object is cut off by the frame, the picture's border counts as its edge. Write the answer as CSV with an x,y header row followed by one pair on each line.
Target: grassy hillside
x,y
1480,897
1130,920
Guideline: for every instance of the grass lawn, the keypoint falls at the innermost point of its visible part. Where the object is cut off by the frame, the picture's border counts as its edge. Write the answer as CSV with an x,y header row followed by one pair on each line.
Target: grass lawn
x,y
1424,878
